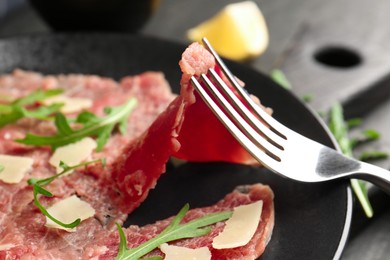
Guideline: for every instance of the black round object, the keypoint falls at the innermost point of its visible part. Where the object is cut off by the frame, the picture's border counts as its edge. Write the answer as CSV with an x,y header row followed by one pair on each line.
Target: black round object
x,y
312,220
95,15
338,57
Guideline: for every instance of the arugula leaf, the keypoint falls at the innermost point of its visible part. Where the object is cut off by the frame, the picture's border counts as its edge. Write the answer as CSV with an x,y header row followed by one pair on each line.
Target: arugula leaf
x,y
12,112
366,136
307,98
36,96
4,109
372,155
92,126
371,134
353,122
39,190
339,128
1,168
174,231
278,76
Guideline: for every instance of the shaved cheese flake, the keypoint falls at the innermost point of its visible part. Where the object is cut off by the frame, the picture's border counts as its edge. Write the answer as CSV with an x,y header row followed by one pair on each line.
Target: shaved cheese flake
x,y
7,246
74,153
68,210
71,104
241,227
179,253
14,168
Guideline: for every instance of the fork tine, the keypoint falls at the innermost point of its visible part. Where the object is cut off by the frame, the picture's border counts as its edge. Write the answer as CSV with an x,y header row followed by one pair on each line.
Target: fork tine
x,y
259,126
268,120
263,151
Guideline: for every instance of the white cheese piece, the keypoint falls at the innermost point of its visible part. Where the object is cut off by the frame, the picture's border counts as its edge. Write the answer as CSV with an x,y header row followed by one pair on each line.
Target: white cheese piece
x,y
7,246
14,168
179,253
68,210
74,153
241,227
71,104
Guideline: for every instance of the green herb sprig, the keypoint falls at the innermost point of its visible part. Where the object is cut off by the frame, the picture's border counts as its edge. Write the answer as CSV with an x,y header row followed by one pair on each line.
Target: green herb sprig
x,y
1,168
174,231
19,108
92,126
365,137
339,127
39,190
373,155
278,76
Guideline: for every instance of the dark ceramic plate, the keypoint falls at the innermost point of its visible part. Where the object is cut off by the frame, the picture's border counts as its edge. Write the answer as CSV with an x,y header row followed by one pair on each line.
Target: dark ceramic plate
x,y
312,220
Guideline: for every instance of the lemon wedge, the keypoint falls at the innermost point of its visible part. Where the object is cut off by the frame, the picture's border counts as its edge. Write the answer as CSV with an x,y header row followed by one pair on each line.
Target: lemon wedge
x,y
238,32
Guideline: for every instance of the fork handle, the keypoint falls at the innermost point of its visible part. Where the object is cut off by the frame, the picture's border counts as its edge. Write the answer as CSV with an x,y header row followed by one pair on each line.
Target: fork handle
x,y
376,175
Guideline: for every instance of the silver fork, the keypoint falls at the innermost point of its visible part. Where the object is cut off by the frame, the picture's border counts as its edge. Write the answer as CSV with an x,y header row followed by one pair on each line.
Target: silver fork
x,y
277,147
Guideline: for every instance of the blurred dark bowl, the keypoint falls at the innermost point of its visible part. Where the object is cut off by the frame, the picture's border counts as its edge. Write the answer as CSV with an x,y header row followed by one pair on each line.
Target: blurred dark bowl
x,y
95,15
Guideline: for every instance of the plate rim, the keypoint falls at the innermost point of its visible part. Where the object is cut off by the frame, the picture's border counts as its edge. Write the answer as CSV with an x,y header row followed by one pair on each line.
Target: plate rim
x,y
349,197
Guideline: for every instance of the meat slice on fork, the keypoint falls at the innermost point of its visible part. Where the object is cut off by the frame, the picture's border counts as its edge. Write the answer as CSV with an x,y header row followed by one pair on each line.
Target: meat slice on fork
x,y
203,136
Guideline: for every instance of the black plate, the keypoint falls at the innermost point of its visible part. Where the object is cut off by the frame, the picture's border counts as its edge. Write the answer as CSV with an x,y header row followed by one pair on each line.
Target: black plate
x,y
312,220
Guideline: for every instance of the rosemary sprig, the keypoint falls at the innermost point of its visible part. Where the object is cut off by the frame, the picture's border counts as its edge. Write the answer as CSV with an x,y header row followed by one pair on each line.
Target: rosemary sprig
x,y
38,189
373,155
174,231
340,129
92,126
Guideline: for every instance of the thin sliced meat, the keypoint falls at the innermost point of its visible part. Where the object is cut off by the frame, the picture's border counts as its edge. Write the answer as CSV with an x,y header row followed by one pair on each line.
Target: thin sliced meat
x,y
22,230
144,160
203,137
134,167
241,196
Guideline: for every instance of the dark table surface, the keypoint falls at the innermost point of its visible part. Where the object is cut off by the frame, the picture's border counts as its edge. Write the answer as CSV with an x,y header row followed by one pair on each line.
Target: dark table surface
x,y
353,36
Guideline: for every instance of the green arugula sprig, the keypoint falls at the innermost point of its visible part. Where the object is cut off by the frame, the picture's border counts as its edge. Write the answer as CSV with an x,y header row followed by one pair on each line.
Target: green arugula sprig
x,y
39,190
92,126
278,76
373,155
19,108
340,128
1,168
174,231
365,137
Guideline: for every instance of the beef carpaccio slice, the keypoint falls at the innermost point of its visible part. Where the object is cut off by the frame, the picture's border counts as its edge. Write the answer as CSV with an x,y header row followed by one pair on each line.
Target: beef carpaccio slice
x,y
242,195
135,161
22,230
203,144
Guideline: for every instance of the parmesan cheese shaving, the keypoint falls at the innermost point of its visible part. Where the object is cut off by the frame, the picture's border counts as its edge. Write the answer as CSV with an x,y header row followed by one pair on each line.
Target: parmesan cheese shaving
x,y
74,153
241,227
15,167
68,210
179,253
71,104
7,246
